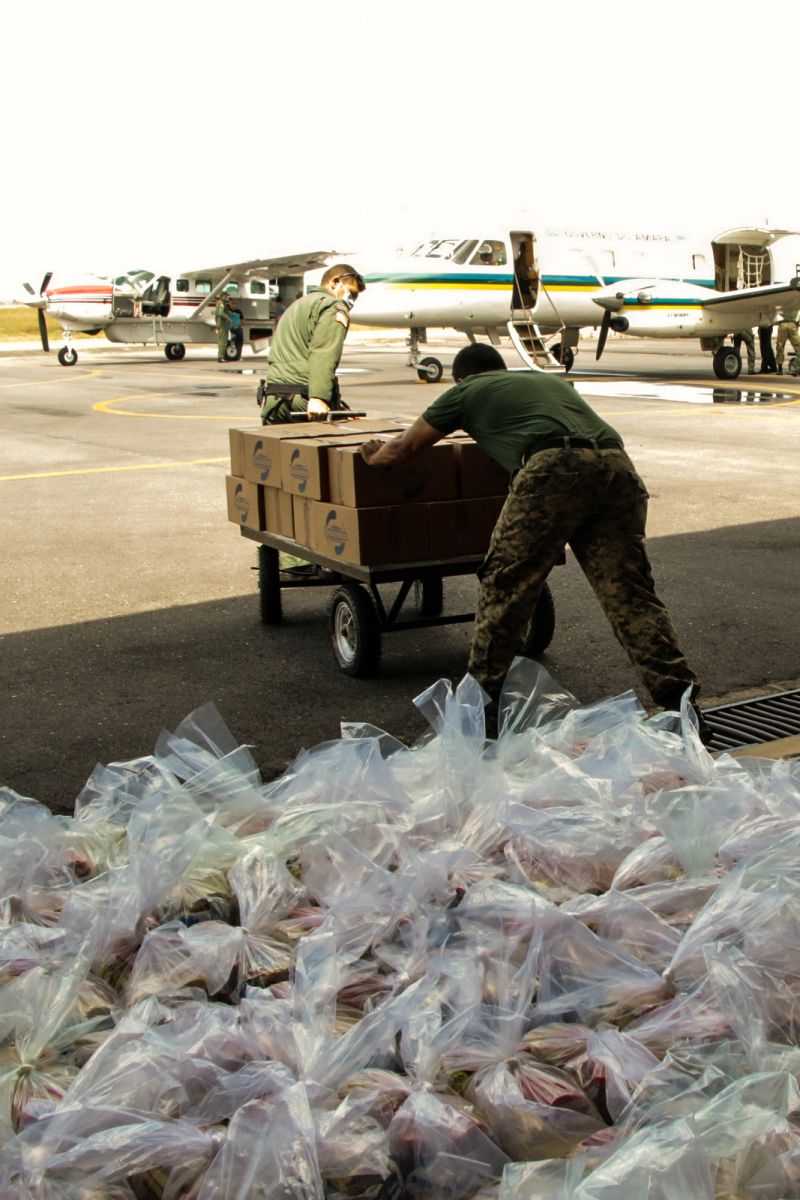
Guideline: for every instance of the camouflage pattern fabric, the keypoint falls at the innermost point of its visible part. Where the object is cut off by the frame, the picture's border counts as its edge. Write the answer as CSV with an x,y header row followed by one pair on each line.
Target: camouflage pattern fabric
x,y
787,330
594,501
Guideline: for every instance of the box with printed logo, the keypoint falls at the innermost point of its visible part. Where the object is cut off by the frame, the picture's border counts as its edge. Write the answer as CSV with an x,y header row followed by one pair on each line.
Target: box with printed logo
x,y
460,528
305,461
245,502
429,476
255,453
367,536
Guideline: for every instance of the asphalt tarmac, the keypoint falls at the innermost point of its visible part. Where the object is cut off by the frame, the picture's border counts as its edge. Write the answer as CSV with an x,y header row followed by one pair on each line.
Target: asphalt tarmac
x,y
128,599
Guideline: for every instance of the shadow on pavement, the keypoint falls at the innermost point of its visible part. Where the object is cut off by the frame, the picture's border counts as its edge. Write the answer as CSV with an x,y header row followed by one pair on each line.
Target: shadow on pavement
x,y
101,691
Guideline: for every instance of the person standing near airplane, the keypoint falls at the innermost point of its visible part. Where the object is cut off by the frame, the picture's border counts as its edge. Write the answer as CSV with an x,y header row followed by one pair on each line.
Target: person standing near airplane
x,y
237,325
572,482
307,346
746,336
768,364
787,330
222,319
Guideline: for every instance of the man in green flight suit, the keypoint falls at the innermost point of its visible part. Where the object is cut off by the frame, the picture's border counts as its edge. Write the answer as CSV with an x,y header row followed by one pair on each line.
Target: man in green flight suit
x,y
306,348
222,319
572,482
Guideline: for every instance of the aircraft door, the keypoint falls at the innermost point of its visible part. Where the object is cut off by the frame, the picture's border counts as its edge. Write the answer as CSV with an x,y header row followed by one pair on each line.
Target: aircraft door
x,y
525,292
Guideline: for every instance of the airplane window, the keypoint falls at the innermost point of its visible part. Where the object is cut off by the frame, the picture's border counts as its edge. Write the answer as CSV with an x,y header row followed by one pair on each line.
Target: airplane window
x,y
489,254
231,289
464,250
257,288
202,287
698,261
181,285
423,249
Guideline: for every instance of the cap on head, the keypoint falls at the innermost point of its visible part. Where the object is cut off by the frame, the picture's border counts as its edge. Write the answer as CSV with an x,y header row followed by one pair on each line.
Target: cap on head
x,y
475,359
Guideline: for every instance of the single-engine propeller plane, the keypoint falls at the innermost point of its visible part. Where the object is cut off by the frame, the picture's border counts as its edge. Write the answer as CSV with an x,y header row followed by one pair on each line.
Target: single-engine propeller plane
x,y
171,311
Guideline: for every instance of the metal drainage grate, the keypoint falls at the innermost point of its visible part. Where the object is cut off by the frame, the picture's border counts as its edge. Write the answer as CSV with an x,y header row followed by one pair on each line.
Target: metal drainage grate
x,y
749,722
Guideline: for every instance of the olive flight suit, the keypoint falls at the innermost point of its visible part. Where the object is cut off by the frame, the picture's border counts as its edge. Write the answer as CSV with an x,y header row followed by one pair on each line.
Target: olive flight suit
x,y
305,352
222,318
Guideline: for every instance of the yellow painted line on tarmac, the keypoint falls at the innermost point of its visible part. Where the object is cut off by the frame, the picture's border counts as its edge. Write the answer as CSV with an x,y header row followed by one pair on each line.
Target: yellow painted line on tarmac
x,y
39,383
104,406
192,462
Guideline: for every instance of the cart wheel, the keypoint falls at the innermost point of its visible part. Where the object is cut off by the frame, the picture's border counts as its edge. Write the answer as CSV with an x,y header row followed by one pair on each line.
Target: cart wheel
x,y
542,626
429,596
269,585
355,632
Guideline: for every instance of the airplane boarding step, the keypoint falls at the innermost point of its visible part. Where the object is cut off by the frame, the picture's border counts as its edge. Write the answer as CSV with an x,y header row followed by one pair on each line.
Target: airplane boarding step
x,y
530,346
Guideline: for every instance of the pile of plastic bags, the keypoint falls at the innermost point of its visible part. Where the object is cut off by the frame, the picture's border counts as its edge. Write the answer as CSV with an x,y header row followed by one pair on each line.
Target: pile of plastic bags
x,y
559,966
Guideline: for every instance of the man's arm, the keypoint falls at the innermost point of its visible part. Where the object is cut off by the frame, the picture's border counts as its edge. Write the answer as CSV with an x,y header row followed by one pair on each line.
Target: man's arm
x,y
324,352
419,437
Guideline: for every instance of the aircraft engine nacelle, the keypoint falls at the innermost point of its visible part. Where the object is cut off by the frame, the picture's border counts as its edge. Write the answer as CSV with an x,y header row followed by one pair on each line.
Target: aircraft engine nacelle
x,y
655,308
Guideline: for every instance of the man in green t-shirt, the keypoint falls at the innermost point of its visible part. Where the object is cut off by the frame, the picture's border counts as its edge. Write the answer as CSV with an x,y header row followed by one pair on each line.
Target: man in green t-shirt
x,y
572,483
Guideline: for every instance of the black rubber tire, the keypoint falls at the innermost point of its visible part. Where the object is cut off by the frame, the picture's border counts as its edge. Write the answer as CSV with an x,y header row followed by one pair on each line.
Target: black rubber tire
x,y
727,363
355,631
542,626
563,354
67,356
429,596
231,353
430,370
269,586
175,351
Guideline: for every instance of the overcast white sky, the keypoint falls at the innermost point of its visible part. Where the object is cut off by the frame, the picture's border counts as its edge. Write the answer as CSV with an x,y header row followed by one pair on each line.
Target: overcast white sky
x,y
183,133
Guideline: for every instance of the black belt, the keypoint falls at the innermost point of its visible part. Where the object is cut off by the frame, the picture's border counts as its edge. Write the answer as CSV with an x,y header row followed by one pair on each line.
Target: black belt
x,y
572,443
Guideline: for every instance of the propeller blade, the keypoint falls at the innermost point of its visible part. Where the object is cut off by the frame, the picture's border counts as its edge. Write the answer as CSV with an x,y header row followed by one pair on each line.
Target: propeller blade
x,y
45,282
604,328
29,289
43,329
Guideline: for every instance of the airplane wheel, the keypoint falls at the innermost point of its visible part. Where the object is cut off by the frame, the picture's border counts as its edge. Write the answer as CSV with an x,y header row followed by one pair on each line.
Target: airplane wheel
x,y
727,363
175,351
564,355
430,370
231,353
355,631
67,356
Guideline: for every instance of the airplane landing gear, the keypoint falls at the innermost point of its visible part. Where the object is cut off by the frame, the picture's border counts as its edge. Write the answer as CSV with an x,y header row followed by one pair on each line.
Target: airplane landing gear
x,y
727,363
67,356
563,354
429,370
175,351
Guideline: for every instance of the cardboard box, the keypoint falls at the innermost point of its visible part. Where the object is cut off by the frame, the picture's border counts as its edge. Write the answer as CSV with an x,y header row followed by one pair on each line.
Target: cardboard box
x,y
429,476
459,528
245,502
368,536
278,512
304,467
255,453
478,473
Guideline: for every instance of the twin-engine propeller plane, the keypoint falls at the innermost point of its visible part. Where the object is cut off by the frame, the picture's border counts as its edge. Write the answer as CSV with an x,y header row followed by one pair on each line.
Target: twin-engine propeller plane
x,y
542,289
172,312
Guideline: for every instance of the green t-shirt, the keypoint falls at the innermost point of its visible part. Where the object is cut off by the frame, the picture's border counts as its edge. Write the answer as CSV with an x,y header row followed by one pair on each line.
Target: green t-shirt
x,y
508,412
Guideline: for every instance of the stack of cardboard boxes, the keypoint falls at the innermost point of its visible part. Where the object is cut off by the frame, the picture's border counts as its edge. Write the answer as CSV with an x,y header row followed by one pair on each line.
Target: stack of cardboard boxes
x,y
310,484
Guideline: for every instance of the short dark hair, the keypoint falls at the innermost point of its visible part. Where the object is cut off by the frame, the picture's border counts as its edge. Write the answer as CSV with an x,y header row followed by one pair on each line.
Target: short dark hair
x,y
475,359
342,271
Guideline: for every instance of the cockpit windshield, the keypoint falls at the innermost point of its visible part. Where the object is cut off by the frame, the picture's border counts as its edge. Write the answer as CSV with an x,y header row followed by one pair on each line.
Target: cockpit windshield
x,y
134,279
448,248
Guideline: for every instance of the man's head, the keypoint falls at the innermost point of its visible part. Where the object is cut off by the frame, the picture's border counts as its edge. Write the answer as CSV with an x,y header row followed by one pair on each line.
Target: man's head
x,y
475,359
343,282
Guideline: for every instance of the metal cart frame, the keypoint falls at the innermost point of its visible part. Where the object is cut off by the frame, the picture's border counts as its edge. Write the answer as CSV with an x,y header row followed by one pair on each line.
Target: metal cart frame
x,y
358,615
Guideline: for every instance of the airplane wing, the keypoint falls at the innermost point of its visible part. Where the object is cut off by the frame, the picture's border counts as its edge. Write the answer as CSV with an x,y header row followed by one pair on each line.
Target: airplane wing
x,y
272,268
776,296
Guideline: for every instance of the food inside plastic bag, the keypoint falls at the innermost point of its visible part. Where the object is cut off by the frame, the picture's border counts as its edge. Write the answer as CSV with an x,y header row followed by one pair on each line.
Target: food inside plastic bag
x,y
560,964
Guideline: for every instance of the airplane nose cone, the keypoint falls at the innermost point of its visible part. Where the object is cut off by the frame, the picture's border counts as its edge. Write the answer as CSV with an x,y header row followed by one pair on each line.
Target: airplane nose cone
x,y
611,303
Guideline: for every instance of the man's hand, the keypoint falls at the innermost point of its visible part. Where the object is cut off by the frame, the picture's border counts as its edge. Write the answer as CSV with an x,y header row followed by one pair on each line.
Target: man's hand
x,y
317,408
370,449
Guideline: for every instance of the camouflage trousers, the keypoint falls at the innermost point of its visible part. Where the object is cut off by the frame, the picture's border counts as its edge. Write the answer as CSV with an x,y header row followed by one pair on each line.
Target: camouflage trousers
x,y
787,331
595,501
746,336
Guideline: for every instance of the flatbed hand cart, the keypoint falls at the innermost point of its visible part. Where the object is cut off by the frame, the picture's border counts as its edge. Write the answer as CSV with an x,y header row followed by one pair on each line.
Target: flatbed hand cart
x,y
358,616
